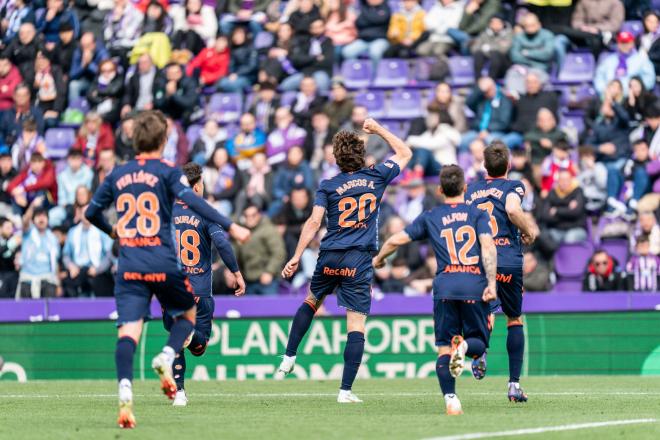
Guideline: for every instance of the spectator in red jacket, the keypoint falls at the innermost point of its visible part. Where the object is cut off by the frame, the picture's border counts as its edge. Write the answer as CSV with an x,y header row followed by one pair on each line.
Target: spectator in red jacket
x,y
212,62
35,185
94,136
558,160
10,77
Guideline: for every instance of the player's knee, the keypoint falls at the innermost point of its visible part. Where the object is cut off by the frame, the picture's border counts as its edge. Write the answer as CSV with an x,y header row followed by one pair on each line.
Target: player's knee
x,y
313,301
198,349
510,322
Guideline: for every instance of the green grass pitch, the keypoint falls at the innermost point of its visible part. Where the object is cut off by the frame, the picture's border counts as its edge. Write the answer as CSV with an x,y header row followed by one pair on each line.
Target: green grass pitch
x,y
291,409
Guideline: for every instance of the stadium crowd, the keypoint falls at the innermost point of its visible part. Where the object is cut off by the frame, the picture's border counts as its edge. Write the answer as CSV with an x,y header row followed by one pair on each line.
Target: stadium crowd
x,y
254,91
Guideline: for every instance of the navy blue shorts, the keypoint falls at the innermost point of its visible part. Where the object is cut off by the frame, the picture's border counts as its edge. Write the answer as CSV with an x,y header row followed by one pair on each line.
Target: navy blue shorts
x,y
133,292
510,290
349,274
455,317
204,319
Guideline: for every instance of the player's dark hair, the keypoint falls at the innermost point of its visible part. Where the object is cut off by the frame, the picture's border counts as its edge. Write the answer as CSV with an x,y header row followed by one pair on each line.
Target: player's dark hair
x,y
193,173
452,180
150,131
496,159
349,151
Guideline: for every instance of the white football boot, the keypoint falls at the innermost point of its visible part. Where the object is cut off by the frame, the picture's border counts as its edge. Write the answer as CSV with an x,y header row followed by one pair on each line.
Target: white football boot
x,y
180,399
347,396
286,367
457,361
453,405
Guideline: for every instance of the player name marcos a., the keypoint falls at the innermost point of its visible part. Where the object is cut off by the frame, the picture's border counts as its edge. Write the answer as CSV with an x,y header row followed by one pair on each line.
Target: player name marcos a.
x,y
354,184
136,177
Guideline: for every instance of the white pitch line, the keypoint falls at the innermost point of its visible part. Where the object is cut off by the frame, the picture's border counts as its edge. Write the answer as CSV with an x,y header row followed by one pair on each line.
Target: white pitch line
x,y
312,395
544,429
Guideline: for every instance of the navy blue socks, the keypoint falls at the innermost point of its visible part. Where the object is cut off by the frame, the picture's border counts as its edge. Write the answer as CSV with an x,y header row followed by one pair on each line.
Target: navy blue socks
x,y
179,332
515,346
476,347
352,358
124,358
299,327
179,369
447,382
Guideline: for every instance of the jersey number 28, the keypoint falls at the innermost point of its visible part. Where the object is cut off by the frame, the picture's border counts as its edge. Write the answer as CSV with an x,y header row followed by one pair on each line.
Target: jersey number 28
x,y
146,207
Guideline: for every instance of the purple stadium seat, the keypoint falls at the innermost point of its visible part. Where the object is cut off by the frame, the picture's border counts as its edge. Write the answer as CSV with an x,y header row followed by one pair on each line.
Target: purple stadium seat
x,y
421,73
617,248
577,68
80,104
391,73
225,107
287,98
462,70
575,96
374,101
405,104
59,141
263,40
571,260
573,125
192,133
356,73
567,286
398,128
635,27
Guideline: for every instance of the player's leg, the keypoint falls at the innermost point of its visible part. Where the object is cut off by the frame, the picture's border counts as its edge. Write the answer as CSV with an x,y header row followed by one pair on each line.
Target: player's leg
x,y
475,320
354,294
446,325
510,292
197,345
353,352
128,337
321,286
176,296
480,364
133,300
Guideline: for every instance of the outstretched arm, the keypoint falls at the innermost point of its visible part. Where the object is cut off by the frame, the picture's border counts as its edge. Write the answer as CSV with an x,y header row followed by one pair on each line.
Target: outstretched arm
x,y
525,223
227,255
489,261
389,247
402,152
200,206
309,230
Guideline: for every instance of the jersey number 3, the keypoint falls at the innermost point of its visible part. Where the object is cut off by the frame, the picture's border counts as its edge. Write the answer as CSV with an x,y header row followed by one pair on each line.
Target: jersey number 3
x,y
348,205
489,207
463,234
146,206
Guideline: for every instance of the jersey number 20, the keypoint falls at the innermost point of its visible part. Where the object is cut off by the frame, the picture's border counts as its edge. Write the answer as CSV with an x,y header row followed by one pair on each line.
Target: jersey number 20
x,y
146,206
463,234
348,205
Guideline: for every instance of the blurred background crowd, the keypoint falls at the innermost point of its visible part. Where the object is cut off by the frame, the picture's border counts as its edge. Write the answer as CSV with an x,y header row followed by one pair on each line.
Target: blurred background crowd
x,y
254,90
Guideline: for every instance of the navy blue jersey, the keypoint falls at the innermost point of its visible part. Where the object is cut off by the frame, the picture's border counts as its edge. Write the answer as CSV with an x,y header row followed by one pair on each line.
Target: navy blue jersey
x,y
453,231
194,237
352,203
144,192
490,195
